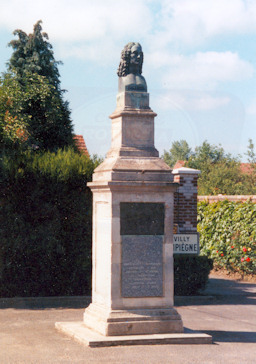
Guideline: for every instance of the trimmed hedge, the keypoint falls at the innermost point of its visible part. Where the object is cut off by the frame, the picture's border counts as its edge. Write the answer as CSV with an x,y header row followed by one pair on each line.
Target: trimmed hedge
x,y
45,228
45,219
228,234
190,274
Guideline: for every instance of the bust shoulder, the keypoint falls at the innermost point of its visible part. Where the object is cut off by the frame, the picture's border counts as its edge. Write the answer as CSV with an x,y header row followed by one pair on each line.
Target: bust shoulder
x,y
132,82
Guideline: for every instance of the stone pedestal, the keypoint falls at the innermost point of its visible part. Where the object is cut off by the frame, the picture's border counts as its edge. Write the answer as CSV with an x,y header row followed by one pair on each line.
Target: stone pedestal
x,y
133,209
132,287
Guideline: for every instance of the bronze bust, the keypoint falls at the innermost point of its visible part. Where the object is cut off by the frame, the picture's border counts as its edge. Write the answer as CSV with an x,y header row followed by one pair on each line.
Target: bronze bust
x,y
130,69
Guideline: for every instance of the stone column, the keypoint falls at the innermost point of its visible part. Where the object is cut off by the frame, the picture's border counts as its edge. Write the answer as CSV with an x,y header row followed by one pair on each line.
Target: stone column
x,y
133,209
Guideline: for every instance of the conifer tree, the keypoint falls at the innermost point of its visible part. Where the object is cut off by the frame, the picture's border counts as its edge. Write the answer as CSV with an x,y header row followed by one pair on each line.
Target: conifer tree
x,y
50,125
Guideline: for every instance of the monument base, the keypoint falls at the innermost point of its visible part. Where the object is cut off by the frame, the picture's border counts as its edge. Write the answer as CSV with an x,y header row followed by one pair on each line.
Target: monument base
x,y
79,332
132,321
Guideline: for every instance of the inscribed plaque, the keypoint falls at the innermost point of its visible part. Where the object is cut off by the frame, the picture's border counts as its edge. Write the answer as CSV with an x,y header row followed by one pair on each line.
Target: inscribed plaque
x,y
142,266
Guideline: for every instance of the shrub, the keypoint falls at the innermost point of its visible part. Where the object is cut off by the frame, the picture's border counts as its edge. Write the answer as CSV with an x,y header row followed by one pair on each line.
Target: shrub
x,y
45,219
190,274
228,235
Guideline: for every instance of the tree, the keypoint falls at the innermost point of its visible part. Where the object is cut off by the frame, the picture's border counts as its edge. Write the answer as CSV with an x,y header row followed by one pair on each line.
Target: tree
x,y
33,65
180,150
13,124
220,173
33,54
29,113
250,179
251,154
206,155
221,178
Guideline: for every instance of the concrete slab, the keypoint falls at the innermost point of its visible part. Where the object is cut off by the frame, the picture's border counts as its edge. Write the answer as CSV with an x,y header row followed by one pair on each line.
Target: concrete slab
x,y
82,334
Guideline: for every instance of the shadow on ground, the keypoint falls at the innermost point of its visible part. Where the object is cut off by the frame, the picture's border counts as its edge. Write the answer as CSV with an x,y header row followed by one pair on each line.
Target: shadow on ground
x,y
218,292
233,336
228,336
221,292
226,287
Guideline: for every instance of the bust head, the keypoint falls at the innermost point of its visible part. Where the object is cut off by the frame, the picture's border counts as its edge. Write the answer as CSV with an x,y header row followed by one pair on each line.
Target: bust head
x,y
131,60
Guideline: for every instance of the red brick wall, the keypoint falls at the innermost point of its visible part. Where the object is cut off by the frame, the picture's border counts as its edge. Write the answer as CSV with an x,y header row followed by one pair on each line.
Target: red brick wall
x,y
185,203
234,198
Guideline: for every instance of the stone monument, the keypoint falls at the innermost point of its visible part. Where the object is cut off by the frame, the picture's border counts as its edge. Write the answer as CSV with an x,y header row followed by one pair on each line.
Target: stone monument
x,y
132,220
133,189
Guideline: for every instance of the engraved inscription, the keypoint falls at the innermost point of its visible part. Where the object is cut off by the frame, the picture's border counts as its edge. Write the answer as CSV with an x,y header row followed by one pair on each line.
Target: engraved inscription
x,y
142,266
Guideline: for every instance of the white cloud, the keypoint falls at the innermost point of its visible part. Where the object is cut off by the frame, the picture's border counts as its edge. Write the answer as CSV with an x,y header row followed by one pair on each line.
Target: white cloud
x,y
192,101
194,21
186,21
202,70
105,52
81,28
78,20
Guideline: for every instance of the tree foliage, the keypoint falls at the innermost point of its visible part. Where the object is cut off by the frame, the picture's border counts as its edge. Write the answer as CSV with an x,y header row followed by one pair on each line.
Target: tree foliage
x,y
32,53
251,154
251,176
40,107
26,112
207,154
180,150
220,172
13,122
223,177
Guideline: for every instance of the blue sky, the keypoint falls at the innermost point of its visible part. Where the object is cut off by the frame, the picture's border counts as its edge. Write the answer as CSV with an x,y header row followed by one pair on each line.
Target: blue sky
x,y
199,63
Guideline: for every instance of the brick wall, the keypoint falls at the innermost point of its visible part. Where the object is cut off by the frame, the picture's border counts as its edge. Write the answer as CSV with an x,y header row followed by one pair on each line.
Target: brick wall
x,y
185,200
234,198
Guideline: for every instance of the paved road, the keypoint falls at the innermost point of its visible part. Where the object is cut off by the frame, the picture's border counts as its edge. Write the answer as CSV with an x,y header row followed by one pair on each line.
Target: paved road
x,y
227,312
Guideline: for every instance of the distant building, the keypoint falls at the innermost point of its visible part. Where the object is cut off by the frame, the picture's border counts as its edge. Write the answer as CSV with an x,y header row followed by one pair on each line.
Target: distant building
x,y
80,143
245,168
179,164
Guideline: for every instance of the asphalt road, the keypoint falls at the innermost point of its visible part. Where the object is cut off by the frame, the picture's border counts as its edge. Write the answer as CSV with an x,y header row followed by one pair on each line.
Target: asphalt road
x,y
227,311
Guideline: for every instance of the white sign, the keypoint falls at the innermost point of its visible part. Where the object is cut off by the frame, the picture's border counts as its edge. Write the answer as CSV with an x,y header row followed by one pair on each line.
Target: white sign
x,y
186,244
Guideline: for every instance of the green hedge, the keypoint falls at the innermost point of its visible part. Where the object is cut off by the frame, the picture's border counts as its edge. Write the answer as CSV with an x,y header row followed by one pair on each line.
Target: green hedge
x,y
190,274
45,219
228,234
45,229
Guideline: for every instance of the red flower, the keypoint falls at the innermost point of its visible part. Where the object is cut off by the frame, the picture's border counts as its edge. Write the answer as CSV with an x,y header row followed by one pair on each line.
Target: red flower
x,y
232,247
217,251
248,259
244,249
222,254
242,259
